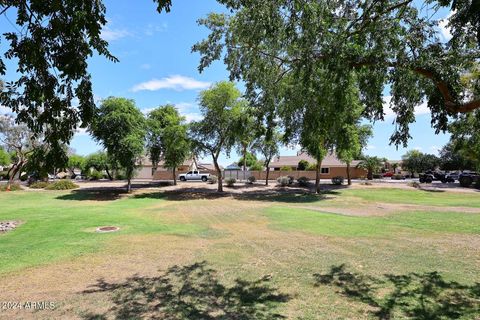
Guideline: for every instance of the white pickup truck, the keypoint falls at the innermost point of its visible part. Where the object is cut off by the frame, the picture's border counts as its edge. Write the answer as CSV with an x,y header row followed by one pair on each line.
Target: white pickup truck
x,y
194,175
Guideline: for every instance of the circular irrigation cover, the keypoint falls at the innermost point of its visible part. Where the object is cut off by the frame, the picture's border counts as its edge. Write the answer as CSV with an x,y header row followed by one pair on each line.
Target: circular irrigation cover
x,y
107,229
6,226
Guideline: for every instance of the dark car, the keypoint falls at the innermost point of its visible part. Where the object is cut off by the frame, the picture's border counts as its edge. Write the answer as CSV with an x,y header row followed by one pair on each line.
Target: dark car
x,y
468,178
430,176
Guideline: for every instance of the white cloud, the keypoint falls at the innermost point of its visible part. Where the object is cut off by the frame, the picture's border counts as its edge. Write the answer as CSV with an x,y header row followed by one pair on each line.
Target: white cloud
x,y
110,34
154,28
444,29
421,109
371,147
175,82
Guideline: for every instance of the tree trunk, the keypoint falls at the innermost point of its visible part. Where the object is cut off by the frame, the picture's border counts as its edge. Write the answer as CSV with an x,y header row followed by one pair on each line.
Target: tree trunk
x,y
16,168
244,160
219,174
317,176
370,174
349,178
268,174
129,185
108,174
174,177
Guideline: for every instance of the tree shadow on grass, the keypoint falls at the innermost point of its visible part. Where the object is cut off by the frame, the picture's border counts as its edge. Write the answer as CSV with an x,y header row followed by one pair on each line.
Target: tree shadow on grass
x,y
416,296
94,194
189,292
286,196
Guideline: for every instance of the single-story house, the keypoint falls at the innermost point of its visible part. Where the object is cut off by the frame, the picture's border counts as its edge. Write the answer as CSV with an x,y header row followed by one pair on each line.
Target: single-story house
x,y
147,171
331,166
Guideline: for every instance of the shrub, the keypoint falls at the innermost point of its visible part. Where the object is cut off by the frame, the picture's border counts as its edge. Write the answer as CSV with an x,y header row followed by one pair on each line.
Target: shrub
x,y
62,185
377,176
13,187
251,179
303,181
303,165
39,185
4,175
397,177
312,167
212,179
95,175
338,180
230,182
286,168
291,179
283,181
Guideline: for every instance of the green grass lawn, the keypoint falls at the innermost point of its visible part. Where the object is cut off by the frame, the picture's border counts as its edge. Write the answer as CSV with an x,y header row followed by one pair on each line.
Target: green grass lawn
x,y
336,225
55,229
418,197
249,257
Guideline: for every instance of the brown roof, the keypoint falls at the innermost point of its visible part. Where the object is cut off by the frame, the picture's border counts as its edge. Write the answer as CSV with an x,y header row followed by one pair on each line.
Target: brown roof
x,y
147,163
207,166
292,161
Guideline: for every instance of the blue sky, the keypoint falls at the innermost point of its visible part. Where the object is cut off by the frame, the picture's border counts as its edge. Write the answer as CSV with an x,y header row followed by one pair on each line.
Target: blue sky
x,y
157,67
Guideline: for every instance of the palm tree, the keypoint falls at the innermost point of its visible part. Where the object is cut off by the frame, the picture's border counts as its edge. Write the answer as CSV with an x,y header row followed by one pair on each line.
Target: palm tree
x,y
371,164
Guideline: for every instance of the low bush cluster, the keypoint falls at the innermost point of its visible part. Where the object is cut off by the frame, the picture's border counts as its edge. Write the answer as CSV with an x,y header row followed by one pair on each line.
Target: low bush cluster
x,y
230,182
338,180
397,177
39,185
62,185
303,181
13,187
212,179
251,179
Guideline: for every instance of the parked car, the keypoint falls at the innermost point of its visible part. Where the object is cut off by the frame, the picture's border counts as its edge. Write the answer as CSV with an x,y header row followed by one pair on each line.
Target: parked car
x,y
194,175
467,178
429,176
453,176
388,174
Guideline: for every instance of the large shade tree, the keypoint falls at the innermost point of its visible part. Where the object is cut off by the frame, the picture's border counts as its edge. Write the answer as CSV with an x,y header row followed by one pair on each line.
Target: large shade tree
x,y
268,145
351,143
216,132
48,47
176,147
381,43
20,142
120,127
158,120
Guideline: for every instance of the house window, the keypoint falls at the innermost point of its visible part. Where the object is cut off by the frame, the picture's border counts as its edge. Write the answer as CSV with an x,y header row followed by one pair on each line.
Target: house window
x,y
325,170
